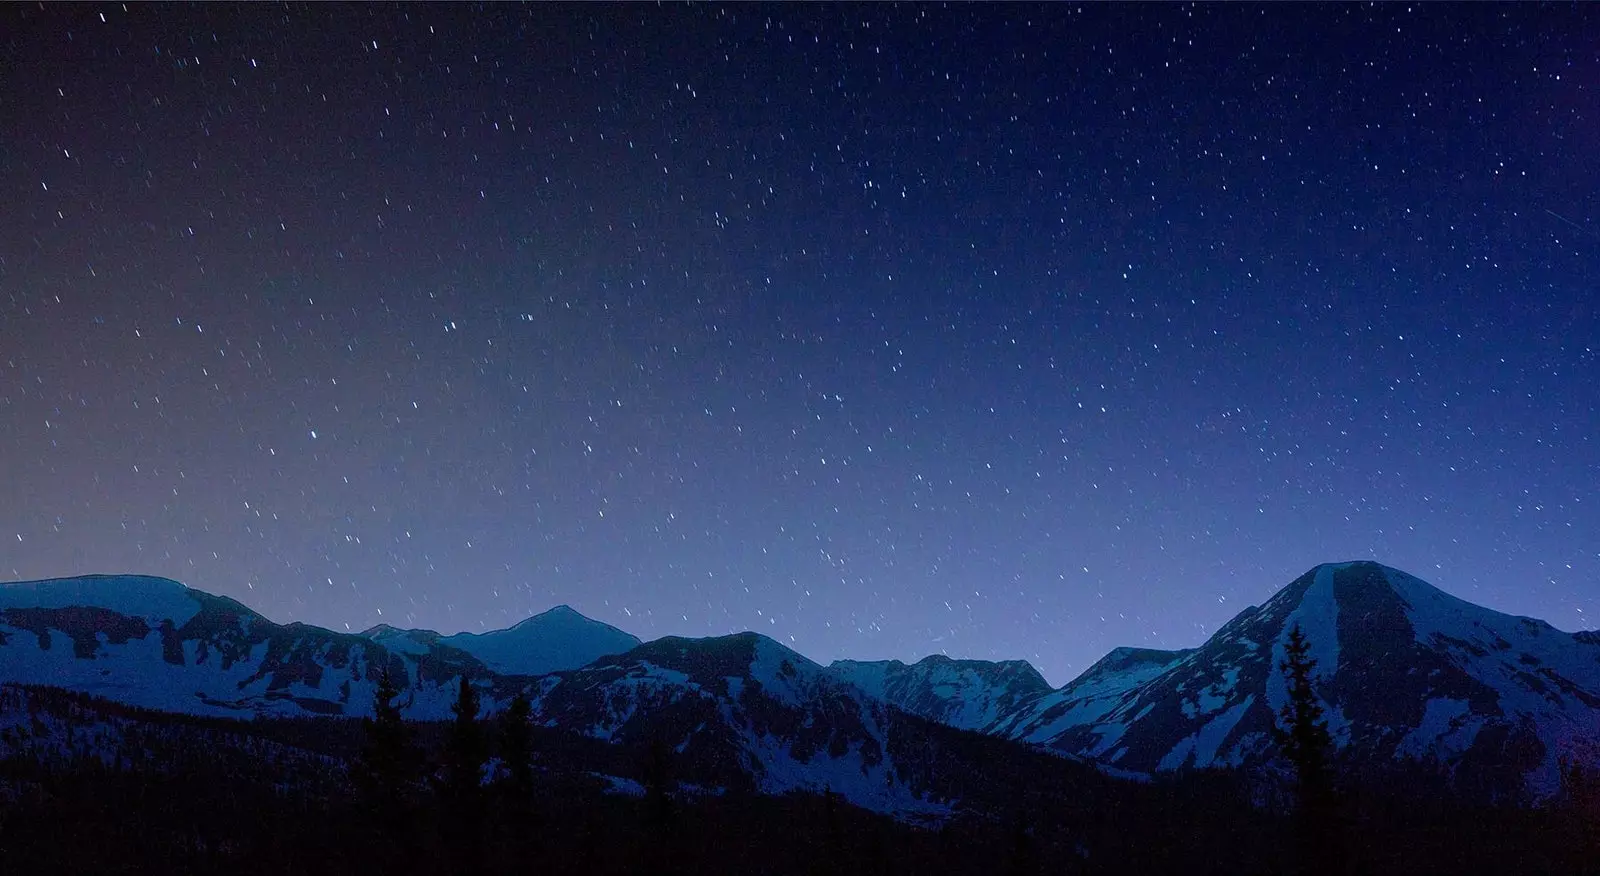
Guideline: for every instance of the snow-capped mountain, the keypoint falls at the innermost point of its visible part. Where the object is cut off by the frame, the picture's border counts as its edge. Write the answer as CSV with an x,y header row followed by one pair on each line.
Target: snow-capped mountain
x,y
155,643
741,712
1405,671
1085,698
969,694
552,641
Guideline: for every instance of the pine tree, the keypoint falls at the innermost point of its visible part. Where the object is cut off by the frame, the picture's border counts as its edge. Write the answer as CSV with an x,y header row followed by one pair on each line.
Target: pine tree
x,y
662,852
387,770
516,746
1579,802
1302,735
389,761
1023,859
515,816
466,751
832,855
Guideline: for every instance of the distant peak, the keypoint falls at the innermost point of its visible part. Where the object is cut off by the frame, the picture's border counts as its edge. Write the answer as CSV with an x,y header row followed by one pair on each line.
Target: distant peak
x,y
385,630
1125,658
562,612
1348,564
749,640
976,663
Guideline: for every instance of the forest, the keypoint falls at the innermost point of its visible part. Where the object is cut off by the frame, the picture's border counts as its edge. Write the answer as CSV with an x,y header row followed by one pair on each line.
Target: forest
x,y
91,786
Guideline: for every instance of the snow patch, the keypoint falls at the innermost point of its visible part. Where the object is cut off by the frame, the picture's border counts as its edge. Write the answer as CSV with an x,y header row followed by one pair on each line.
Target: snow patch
x,y
1318,618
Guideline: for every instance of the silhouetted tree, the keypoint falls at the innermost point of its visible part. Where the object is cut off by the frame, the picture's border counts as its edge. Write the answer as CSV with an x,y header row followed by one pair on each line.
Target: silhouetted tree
x,y
1578,803
1302,735
466,751
516,746
515,813
389,761
387,770
831,854
657,780
1023,856
663,849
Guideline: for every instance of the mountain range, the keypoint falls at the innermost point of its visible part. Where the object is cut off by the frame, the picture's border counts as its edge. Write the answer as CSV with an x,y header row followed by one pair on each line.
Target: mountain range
x,y
1407,674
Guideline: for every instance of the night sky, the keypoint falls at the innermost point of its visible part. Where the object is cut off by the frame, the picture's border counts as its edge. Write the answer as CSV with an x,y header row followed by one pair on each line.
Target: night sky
x,y
993,331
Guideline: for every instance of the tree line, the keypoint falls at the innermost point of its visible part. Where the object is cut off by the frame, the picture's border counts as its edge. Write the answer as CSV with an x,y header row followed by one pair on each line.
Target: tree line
x,y
500,793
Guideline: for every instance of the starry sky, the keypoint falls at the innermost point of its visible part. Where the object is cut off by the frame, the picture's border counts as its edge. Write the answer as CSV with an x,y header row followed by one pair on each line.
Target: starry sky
x,y
997,331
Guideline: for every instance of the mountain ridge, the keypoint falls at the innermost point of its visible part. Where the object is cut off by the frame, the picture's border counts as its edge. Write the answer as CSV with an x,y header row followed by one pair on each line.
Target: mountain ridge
x,y
1405,671
1587,635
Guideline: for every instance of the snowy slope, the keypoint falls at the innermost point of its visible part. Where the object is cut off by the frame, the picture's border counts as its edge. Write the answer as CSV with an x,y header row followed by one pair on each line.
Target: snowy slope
x,y
1086,698
1404,670
154,643
745,713
134,596
969,694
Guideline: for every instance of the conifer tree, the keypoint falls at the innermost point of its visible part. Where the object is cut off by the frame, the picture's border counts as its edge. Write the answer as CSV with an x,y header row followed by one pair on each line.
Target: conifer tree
x,y
1303,731
1023,859
515,814
516,746
1302,735
662,853
1579,801
832,855
389,761
387,770
466,751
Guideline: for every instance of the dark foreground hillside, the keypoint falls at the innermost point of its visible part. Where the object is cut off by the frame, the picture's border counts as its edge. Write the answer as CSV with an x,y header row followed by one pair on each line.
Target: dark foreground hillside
x,y
87,786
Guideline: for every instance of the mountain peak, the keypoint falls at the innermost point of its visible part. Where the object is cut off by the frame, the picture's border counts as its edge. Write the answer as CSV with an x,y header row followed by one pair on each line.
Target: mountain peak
x,y
1125,658
562,613
1317,599
1360,574
1345,564
551,641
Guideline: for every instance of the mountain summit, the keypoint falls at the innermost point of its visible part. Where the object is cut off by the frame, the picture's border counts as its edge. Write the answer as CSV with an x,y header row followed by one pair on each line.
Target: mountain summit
x,y
551,641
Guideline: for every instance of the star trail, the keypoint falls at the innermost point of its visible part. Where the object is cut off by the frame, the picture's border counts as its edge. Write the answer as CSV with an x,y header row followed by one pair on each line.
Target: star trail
x,y
996,331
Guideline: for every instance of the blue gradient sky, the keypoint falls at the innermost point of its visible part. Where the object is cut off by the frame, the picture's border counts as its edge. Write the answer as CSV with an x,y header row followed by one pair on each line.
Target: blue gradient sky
x,y
996,331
